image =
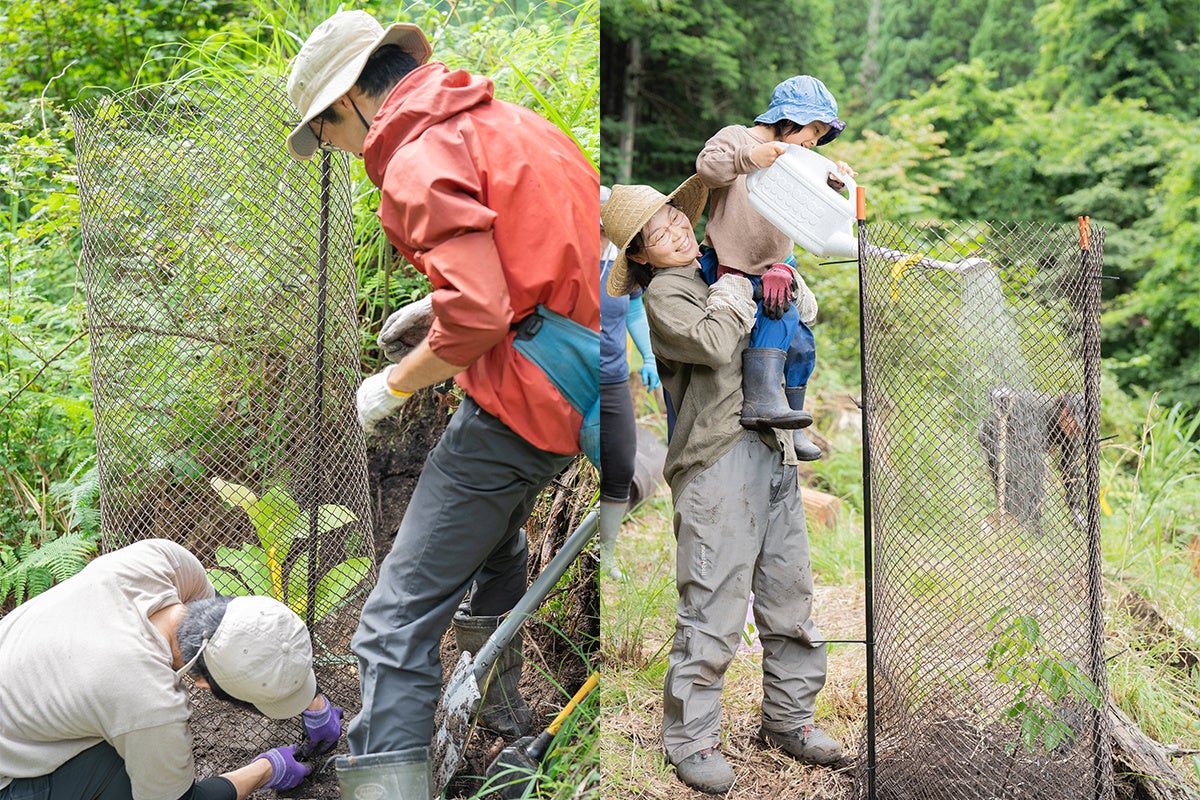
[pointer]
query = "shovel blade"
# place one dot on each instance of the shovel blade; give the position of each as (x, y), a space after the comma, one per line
(456, 720)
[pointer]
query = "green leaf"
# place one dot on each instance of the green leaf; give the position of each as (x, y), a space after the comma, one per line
(278, 520)
(1054, 734)
(297, 587)
(234, 493)
(227, 583)
(339, 582)
(250, 564)
(331, 517)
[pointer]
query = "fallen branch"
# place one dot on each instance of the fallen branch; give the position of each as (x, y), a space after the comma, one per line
(1142, 763)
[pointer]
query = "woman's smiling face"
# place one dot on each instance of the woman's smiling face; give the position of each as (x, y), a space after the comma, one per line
(669, 240)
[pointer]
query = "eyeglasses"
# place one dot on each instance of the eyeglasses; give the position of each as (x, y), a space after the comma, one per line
(320, 132)
(678, 225)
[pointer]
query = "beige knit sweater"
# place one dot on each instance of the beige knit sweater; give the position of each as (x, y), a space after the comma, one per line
(743, 238)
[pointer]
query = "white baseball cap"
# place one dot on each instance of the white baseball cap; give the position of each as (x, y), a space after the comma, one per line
(332, 59)
(261, 653)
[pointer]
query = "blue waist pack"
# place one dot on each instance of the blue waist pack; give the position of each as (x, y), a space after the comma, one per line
(569, 354)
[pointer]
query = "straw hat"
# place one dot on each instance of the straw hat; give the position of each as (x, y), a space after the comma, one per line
(627, 211)
(331, 61)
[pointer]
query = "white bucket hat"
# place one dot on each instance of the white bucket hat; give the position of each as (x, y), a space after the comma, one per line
(331, 60)
(261, 653)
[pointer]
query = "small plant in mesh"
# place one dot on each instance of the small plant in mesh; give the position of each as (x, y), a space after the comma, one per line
(1049, 687)
(263, 569)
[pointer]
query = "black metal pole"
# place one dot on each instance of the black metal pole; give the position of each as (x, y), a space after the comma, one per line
(318, 410)
(868, 562)
(1090, 278)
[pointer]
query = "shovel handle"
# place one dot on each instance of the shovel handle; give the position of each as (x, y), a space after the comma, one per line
(583, 692)
(533, 597)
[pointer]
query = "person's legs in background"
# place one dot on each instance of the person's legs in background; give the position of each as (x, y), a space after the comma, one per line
(618, 456)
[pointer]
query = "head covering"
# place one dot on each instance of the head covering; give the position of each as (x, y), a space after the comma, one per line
(331, 61)
(627, 211)
(804, 99)
(261, 653)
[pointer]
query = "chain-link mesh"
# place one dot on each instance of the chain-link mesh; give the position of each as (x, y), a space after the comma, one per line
(981, 388)
(221, 311)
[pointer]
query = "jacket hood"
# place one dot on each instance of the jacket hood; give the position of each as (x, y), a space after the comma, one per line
(425, 97)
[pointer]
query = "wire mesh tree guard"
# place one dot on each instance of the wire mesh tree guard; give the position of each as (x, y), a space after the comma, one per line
(221, 313)
(981, 410)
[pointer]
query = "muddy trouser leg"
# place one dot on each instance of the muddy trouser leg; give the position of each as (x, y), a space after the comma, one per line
(462, 525)
(720, 519)
(793, 669)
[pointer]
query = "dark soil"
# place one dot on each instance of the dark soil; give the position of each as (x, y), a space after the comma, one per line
(226, 737)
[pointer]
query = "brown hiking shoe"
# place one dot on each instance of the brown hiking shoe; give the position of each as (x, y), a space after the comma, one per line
(808, 743)
(707, 771)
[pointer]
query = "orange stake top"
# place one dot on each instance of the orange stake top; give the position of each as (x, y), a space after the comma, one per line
(860, 199)
(1085, 242)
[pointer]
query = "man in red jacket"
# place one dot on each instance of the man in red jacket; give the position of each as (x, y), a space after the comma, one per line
(497, 207)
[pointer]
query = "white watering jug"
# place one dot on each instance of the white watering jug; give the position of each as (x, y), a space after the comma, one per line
(795, 196)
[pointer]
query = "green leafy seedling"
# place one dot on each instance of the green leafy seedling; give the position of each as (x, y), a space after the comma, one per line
(260, 569)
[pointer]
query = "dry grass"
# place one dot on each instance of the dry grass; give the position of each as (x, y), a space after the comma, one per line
(638, 623)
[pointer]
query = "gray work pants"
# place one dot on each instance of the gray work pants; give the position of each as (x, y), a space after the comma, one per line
(740, 527)
(461, 532)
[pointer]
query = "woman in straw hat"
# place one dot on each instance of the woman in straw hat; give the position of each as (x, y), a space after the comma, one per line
(723, 478)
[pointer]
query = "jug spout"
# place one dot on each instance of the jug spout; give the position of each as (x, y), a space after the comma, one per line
(840, 245)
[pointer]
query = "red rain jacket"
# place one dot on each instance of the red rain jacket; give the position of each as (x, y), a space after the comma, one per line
(499, 209)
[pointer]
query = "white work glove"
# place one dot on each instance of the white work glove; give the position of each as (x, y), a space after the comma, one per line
(734, 294)
(806, 302)
(406, 328)
(376, 401)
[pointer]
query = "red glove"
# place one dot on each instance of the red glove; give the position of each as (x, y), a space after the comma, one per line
(777, 290)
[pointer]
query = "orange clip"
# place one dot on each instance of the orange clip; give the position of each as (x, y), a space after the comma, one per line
(1084, 233)
(860, 202)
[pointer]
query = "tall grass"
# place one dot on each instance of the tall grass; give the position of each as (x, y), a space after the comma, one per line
(542, 55)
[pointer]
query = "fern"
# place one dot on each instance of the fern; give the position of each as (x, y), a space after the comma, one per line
(81, 493)
(31, 568)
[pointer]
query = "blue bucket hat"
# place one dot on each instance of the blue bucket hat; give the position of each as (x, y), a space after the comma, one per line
(804, 99)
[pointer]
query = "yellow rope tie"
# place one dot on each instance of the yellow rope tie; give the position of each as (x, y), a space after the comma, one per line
(898, 270)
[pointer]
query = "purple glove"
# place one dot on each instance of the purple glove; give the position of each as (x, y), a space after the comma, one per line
(777, 290)
(286, 771)
(323, 728)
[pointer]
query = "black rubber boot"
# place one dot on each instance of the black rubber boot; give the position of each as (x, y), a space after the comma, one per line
(502, 708)
(763, 402)
(805, 449)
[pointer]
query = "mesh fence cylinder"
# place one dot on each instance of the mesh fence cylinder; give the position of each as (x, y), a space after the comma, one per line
(981, 377)
(221, 313)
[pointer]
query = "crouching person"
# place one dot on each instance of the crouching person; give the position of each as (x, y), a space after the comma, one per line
(94, 706)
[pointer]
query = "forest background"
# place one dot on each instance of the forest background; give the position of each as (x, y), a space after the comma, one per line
(1008, 110)
(53, 56)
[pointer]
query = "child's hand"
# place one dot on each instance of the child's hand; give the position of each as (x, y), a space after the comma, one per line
(764, 155)
(836, 183)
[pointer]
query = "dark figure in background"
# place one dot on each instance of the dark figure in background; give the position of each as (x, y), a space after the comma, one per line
(1017, 434)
